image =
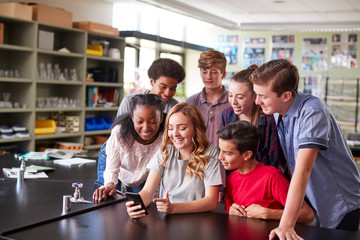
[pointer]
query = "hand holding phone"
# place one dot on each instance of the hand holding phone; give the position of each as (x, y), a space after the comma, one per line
(136, 198)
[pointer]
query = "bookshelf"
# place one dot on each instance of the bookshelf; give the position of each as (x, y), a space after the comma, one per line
(35, 95)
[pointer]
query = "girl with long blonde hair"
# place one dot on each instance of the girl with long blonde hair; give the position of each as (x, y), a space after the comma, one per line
(186, 167)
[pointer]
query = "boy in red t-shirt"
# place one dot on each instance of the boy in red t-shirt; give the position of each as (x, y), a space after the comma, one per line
(254, 190)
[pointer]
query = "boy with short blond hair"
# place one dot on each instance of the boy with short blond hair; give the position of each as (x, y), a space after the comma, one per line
(253, 189)
(213, 99)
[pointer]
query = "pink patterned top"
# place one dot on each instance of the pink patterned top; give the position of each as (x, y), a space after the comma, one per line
(126, 160)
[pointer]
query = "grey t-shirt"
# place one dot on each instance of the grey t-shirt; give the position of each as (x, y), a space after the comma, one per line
(125, 103)
(180, 186)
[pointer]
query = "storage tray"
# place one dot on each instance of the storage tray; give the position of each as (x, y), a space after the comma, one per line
(43, 127)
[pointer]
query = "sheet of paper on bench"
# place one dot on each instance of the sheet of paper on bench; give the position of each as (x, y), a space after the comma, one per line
(74, 161)
(39, 168)
(13, 173)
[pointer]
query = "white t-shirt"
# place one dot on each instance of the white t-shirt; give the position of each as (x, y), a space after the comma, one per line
(180, 186)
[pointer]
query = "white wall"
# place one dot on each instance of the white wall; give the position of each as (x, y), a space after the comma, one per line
(193, 82)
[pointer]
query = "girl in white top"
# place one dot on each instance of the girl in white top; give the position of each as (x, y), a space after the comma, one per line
(186, 167)
(134, 140)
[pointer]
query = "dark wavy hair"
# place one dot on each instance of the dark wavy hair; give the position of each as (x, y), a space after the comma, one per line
(125, 120)
(243, 134)
(168, 68)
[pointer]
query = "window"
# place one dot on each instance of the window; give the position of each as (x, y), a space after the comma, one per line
(131, 75)
(180, 90)
(137, 16)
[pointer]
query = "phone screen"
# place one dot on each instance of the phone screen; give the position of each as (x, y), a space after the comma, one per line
(137, 200)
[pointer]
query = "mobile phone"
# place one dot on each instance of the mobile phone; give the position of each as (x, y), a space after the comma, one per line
(137, 200)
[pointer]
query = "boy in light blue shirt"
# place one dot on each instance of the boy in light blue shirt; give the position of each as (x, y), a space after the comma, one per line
(315, 148)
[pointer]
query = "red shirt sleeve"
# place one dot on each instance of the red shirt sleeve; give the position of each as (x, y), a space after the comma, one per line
(279, 187)
(228, 195)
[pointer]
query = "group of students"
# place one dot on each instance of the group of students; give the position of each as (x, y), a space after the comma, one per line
(262, 131)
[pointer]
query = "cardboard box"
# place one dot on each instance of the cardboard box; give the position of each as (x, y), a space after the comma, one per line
(70, 146)
(51, 15)
(1, 33)
(96, 27)
(16, 10)
(46, 40)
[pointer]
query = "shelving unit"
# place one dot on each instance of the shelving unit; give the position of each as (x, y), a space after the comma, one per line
(20, 52)
(104, 62)
(342, 97)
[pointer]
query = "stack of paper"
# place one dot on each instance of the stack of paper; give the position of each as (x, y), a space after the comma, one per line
(48, 153)
(74, 161)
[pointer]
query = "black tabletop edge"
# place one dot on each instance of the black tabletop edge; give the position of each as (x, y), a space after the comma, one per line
(95, 207)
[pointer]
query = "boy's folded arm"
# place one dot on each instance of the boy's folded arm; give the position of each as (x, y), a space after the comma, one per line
(258, 211)
(236, 209)
(306, 214)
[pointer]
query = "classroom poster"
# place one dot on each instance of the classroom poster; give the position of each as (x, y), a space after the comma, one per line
(283, 47)
(314, 54)
(343, 50)
(254, 52)
(226, 80)
(228, 45)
